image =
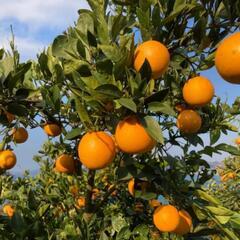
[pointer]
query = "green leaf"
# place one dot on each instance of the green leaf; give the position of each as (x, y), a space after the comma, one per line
(214, 136)
(43, 209)
(109, 90)
(158, 96)
(178, 3)
(128, 103)
(92, 41)
(153, 128)
(205, 196)
(73, 134)
(85, 22)
(223, 219)
(82, 112)
(124, 234)
(162, 107)
(76, 65)
(18, 109)
(59, 47)
(113, 52)
(118, 222)
(228, 148)
(146, 71)
(78, 81)
(142, 230)
(221, 211)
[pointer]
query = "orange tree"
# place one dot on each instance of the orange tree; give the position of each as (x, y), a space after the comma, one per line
(124, 90)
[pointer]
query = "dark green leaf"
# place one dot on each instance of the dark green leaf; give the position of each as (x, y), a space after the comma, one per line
(228, 148)
(162, 107)
(109, 90)
(128, 103)
(158, 96)
(214, 136)
(153, 128)
(74, 134)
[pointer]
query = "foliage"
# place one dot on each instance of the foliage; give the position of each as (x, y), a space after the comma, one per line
(72, 82)
(228, 189)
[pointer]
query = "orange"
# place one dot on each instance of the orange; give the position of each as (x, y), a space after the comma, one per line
(166, 218)
(52, 129)
(7, 159)
(81, 202)
(9, 210)
(227, 58)
(95, 193)
(237, 141)
(65, 164)
(156, 54)
(131, 136)
(131, 184)
(74, 190)
(20, 135)
(198, 91)
(185, 223)
(154, 203)
(227, 176)
(10, 117)
(96, 150)
(189, 121)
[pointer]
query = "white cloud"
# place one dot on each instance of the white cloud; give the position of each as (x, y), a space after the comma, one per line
(51, 12)
(31, 17)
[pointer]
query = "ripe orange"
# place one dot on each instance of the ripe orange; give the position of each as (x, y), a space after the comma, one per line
(227, 58)
(198, 91)
(237, 141)
(9, 210)
(154, 203)
(20, 135)
(65, 164)
(10, 117)
(185, 223)
(81, 202)
(227, 176)
(166, 218)
(7, 159)
(52, 129)
(96, 150)
(131, 184)
(156, 54)
(189, 121)
(131, 136)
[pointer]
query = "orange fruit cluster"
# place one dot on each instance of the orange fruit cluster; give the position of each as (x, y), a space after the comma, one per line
(197, 92)
(168, 219)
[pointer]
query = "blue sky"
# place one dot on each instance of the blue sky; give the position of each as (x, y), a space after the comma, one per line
(35, 24)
